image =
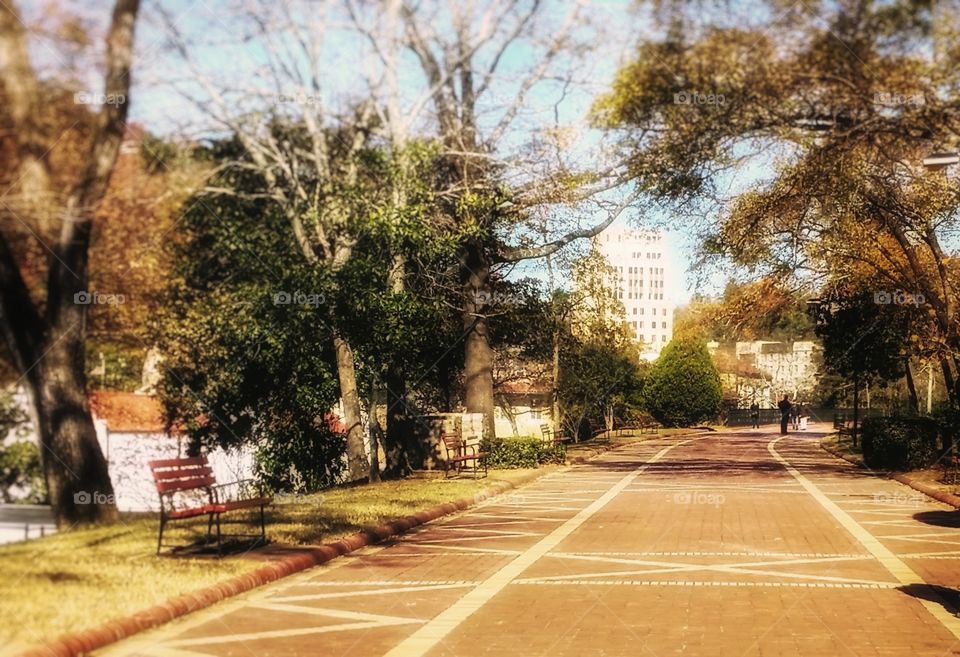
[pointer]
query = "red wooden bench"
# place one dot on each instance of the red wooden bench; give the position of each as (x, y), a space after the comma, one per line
(459, 453)
(188, 489)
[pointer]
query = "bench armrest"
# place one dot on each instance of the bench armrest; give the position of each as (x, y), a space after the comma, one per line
(236, 490)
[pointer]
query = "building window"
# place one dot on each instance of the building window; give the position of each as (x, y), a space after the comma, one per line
(641, 325)
(536, 413)
(663, 325)
(663, 338)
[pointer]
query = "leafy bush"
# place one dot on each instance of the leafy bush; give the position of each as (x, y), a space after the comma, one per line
(303, 462)
(683, 385)
(523, 452)
(897, 443)
(21, 477)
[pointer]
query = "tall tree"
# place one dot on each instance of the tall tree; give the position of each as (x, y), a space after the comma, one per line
(46, 339)
(800, 139)
(460, 54)
(461, 67)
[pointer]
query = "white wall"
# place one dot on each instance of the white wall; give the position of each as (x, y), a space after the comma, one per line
(127, 455)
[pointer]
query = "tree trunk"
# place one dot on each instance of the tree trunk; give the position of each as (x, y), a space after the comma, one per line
(78, 482)
(49, 351)
(373, 430)
(478, 354)
(948, 381)
(856, 410)
(357, 463)
(507, 410)
(555, 384)
(399, 446)
(911, 388)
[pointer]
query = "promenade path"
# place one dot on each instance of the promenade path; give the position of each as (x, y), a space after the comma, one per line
(712, 544)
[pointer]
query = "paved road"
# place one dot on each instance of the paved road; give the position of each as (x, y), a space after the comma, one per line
(707, 544)
(20, 522)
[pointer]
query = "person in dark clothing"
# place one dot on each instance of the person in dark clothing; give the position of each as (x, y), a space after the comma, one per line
(755, 414)
(785, 406)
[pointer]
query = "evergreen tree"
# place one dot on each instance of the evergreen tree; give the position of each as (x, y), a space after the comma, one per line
(683, 386)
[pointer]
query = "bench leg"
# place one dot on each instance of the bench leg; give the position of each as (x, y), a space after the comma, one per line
(160, 537)
(263, 526)
(209, 527)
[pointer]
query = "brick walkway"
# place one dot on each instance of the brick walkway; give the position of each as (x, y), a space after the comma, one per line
(707, 544)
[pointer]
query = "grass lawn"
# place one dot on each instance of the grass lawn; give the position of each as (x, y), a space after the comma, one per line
(928, 476)
(79, 579)
(843, 445)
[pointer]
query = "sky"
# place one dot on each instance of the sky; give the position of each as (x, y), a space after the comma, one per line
(239, 68)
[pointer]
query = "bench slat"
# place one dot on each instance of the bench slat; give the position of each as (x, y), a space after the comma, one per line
(172, 463)
(182, 473)
(185, 484)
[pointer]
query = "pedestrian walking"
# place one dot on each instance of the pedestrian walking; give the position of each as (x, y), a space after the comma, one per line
(785, 407)
(755, 414)
(795, 416)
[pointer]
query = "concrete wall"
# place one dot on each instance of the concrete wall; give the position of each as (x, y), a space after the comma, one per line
(127, 455)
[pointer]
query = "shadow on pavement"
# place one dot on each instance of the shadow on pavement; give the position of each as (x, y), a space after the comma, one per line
(948, 598)
(939, 518)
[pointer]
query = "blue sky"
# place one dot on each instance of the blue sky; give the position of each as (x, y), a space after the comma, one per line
(217, 49)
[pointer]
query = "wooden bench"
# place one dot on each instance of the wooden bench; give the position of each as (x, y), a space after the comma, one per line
(460, 453)
(650, 427)
(188, 489)
(950, 470)
(555, 437)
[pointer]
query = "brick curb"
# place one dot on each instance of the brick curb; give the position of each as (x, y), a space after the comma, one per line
(85, 641)
(939, 495)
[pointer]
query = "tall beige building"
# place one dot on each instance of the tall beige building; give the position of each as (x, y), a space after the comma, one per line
(644, 280)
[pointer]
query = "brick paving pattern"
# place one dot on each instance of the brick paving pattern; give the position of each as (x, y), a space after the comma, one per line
(705, 544)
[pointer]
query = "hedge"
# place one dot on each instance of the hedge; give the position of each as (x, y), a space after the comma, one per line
(897, 443)
(523, 452)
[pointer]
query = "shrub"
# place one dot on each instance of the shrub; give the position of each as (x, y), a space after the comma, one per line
(897, 443)
(21, 477)
(683, 385)
(523, 452)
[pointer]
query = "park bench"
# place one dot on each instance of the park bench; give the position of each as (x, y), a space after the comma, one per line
(555, 437)
(649, 427)
(950, 465)
(188, 489)
(641, 425)
(843, 424)
(460, 453)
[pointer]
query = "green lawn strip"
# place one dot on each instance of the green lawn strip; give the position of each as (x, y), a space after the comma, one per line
(929, 477)
(842, 445)
(78, 579)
